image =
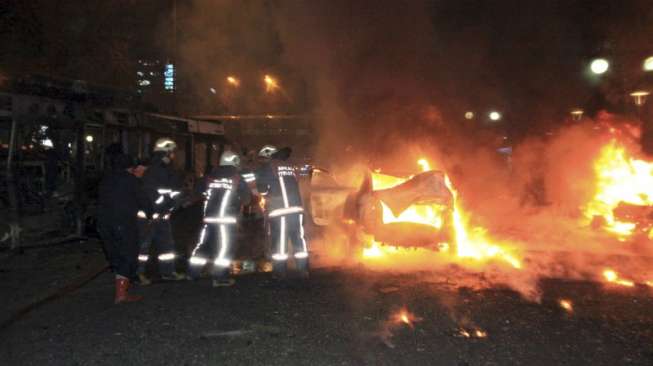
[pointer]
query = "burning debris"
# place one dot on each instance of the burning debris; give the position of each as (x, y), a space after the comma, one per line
(469, 242)
(623, 184)
(472, 333)
(405, 317)
(613, 277)
(598, 215)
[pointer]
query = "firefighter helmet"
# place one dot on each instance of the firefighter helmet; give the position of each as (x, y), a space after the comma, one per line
(229, 158)
(165, 144)
(267, 151)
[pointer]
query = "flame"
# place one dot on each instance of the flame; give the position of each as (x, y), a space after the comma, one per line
(476, 333)
(474, 243)
(374, 249)
(430, 215)
(403, 316)
(424, 164)
(567, 305)
(470, 243)
(261, 203)
(620, 178)
(613, 277)
(384, 181)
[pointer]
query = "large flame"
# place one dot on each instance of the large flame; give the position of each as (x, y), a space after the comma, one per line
(619, 179)
(475, 243)
(470, 243)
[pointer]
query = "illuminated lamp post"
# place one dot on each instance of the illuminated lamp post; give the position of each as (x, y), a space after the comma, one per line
(577, 114)
(599, 66)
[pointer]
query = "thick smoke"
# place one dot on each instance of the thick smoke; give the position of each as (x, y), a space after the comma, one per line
(376, 89)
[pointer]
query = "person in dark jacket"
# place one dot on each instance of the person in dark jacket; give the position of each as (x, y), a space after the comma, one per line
(121, 196)
(162, 187)
(277, 182)
(226, 192)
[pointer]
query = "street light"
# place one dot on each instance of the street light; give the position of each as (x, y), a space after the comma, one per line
(271, 83)
(599, 66)
(648, 64)
(495, 116)
(639, 97)
(233, 81)
(89, 138)
(469, 115)
(576, 114)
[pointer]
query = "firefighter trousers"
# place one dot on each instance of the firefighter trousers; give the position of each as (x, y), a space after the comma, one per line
(158, 233)
(287, 229)
(216, 245)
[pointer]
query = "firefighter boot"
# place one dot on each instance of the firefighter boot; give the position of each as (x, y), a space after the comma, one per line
(279, 269)
(302, 267)
(122, 288)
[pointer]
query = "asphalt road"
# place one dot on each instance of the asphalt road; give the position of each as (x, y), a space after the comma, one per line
(341, 316)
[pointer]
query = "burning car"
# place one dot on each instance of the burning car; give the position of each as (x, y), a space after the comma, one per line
(413, 211)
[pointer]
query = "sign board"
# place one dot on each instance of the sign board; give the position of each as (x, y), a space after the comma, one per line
(211, 128)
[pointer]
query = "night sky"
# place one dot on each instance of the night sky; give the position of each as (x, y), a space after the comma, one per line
(365, 58)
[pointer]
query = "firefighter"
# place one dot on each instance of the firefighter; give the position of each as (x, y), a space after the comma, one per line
(277, 182)
(226, 192)
(163, 188)
(121, 196)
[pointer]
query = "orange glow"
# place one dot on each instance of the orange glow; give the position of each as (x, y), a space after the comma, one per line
(384, 181)
(620, 179)
(613, 277)
(431, 215)
(271, 83)
(233, 81)
(375, 249)
(471, 243)
(476, 333)
(567, 305)
(261, 203)
(404, 316)
(475, 243)
(424, 164)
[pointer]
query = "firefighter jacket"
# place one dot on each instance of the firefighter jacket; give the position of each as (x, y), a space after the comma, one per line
(162, 186)
(277, 181)
(225, 191)
(121, 196)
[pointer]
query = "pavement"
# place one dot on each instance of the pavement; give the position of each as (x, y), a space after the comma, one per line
(340, 316)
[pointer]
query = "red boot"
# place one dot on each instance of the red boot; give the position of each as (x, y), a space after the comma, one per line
(122, 295)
